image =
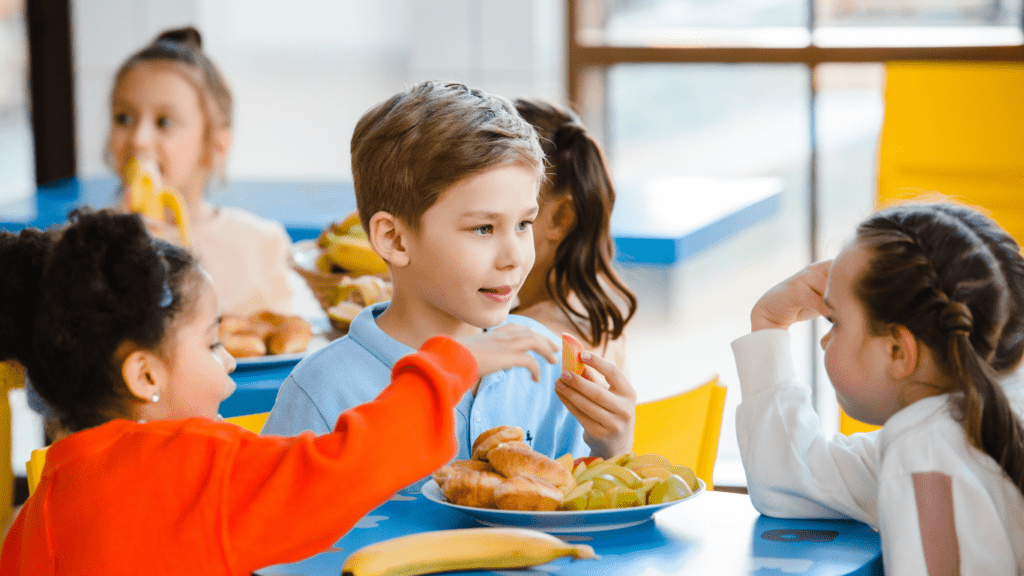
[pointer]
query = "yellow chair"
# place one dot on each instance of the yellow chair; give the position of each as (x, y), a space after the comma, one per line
(956, 129)
(11, 376)
(683, 428)
(34, 468)
(251, 422)
(849, 425)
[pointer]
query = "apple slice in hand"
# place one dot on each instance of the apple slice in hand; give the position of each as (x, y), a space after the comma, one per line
(571, 350)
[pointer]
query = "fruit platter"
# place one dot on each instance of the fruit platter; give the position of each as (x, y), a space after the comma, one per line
(507, 483)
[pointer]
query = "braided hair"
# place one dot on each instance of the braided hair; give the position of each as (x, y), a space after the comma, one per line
(955, 279)
(74, 295)
(583, 260)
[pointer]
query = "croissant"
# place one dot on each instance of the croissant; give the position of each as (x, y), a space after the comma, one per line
(467, 487)
(518, 459)
(491, 438)
(291, 335)
(527, 493)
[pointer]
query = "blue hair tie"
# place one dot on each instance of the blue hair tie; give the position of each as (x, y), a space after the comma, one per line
(167, 297)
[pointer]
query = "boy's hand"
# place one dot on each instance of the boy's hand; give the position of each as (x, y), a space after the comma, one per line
(604, 402)
(795, 299)
(507, 347)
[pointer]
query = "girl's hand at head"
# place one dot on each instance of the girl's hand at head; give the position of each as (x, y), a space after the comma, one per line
(604, 402)
(509, 346)
(795, 299)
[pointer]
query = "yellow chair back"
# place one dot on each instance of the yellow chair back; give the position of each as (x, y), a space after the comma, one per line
(34, 468)
(849, 425)
(956, 129)
(683, 428)
(251, 422)
(11, 376)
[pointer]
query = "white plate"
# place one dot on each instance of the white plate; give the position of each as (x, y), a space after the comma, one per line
(317, 342)
(559, 521)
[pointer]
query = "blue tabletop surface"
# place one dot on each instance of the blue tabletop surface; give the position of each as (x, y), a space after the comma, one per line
(718, 533)
(649, 228)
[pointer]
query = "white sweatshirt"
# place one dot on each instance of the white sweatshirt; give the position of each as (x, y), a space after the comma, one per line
(934, 498)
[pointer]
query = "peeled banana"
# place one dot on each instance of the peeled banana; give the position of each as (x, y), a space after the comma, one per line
(353, 254)
(146, 196)
(461, 549)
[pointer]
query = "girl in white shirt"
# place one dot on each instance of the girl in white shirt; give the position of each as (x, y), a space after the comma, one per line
(927, 313)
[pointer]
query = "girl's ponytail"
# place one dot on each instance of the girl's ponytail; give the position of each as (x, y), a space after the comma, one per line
(584, 261)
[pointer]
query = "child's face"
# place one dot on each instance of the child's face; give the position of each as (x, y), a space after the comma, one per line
(157, 116)
(473, 250)
(855, 359)
(198, 365)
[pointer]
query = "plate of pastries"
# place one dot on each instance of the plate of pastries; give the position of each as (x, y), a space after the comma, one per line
(266, 337)
(507, 483)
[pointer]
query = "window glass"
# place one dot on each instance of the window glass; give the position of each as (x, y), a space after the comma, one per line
(705, 22)
(17, 167)
(686, 141)
(848, 118)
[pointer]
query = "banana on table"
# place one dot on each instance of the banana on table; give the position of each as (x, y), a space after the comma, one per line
(145, 196)
(461, 549)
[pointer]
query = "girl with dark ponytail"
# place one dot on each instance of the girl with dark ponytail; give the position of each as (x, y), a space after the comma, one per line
(118, 333)
(573, 286)
(927, 313)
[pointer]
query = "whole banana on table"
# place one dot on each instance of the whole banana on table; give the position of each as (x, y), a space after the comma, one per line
(461, 549)
(146, 196)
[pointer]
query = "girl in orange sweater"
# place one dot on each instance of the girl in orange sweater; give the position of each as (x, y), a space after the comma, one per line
(118, 332)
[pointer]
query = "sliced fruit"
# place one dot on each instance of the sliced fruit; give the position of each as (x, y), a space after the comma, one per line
(648, 459)
(687, 474)
(566, 461)
(652, 471)
(598, 500)
(668, 490)
(571, 350)
(623, 459)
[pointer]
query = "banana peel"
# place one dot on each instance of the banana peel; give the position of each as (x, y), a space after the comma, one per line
(350, 225)
(146, 196)
(354, 255)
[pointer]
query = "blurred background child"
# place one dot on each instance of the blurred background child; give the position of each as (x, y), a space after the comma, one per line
(171, 107)
(573, 286)
(927, 313)
(118, 332)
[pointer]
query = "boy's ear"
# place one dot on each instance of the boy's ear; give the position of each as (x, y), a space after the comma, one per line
(561, 217)
(387, 234)
(904, 352)
(144, 374)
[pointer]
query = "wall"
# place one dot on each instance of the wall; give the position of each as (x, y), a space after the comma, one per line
(302, 72)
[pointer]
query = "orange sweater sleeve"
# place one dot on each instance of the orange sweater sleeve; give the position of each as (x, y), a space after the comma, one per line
(288, 498)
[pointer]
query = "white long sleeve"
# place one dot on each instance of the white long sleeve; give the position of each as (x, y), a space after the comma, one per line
(886, 478)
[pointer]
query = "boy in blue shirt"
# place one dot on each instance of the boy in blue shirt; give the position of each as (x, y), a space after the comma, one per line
(447, 180)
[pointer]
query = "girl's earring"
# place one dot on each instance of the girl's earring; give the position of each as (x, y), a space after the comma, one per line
(156, 396)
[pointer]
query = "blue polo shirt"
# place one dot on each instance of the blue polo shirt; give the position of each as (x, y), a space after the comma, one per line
(354, 369)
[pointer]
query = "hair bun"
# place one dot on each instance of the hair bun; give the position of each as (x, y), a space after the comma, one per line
(186, 35)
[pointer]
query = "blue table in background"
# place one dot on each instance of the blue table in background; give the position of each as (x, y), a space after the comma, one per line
(718, 533)
(658, 225)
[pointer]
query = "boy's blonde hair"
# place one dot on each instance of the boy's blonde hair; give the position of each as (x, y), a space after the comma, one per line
(409, 149)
